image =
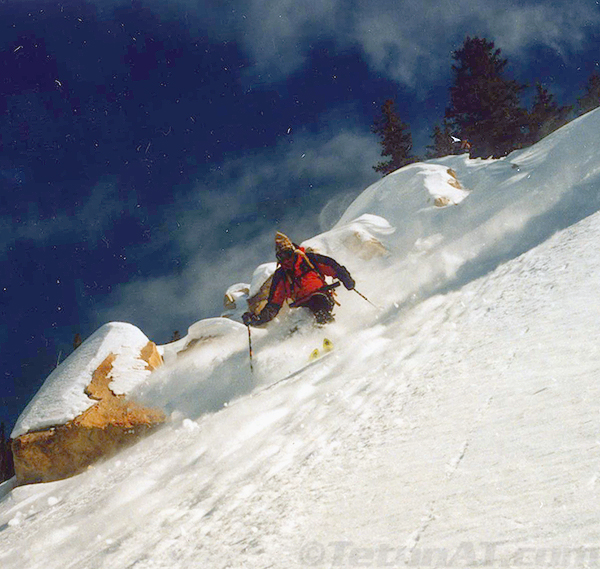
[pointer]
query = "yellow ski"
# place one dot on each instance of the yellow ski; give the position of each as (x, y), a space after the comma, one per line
(316, 353)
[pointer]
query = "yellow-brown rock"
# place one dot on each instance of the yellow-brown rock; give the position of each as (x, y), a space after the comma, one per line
(258, 301)
(108, 426)
(364, 246)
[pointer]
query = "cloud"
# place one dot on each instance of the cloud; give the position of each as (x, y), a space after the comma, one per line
(564, 28)
(89, 222)
(410, 42)
(278, 35)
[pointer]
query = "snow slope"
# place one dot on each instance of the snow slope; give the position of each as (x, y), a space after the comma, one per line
(457, 426)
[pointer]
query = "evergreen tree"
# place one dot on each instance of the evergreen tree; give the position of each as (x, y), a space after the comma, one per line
(396, 139)
(591, 98)
(485, 105)
(443, 144)
(545, 116)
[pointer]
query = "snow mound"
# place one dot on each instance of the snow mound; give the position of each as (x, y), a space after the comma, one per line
(364, 237)
(403, 193)
(207, 329)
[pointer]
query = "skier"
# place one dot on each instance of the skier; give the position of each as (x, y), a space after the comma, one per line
(465, 145)
(300, 277)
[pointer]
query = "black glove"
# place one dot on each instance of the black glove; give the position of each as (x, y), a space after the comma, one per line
(249, 319)
(349, 282)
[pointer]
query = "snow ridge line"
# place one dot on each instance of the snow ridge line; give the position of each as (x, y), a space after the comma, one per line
(451, 468)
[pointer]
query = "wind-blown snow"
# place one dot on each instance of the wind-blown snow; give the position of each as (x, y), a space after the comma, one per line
(457, 426)
(62, 396)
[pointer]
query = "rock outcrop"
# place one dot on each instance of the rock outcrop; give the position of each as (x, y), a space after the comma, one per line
(107, 426)
(364, 245)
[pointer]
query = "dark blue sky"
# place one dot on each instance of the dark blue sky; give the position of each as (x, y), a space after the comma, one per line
(149, 150)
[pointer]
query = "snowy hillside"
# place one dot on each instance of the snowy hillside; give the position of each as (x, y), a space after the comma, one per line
(457, 425)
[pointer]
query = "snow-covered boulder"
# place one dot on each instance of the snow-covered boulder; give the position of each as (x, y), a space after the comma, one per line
(363, 237)
(401, 195)
(235, 301)
(233, 295)
(82, 412)
(199, 334)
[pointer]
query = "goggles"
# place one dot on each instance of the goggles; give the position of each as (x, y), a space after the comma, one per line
(284, 255)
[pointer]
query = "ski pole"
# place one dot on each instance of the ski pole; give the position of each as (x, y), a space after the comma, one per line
(363, 296)
(250, 347)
